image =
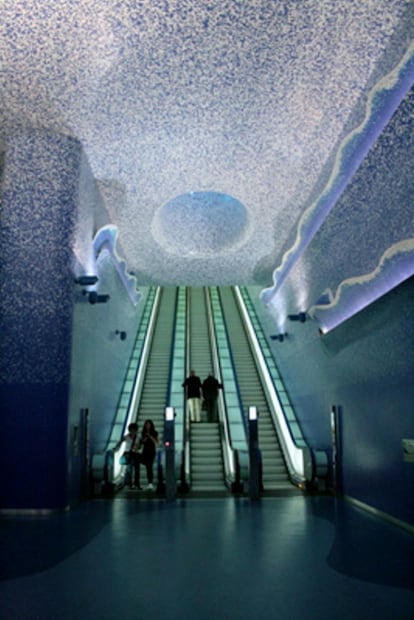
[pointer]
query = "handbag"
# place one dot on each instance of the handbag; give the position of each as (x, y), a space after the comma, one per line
(125, 459)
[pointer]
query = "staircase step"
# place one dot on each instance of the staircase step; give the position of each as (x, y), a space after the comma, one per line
(213, 469)
(206, 459)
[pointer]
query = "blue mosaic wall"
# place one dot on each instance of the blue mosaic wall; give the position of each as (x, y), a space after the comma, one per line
(39, 205)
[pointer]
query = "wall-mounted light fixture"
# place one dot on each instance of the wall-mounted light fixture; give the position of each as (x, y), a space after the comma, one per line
(94, 298)
(279, 337)
(301, 316)
(86, 280)
(122, 335)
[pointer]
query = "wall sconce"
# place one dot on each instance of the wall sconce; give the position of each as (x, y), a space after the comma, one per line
(301, 316)
(122, 335)
(94, 298)
(86, 280)
(279, 337)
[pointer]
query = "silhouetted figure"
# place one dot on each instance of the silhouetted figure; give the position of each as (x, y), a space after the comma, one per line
(148, 446)
(211, 387)
(193, 387)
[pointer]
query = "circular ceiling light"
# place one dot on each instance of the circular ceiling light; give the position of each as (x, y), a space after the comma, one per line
(200, 224)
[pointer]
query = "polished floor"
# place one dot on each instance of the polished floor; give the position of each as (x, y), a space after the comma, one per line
(282, 557)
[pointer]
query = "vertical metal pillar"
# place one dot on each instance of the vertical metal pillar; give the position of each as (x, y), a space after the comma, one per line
(169, 446)
(254, 470)
(336, 448)
(85, 454)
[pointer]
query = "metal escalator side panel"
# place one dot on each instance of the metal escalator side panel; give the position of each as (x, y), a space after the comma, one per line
(297, 454)
(252, 393)
(111, 471)
(234, 429)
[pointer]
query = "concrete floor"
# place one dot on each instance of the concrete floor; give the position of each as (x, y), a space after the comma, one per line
(288, 558)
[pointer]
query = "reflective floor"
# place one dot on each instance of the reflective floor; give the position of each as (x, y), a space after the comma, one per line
(283, 558)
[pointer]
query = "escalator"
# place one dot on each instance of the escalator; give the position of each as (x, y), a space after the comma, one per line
(156, 383)
(148, 394)
(274, 471)
(185, 335)
(207, 475)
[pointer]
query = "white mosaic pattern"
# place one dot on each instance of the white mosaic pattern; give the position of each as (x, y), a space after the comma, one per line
(365, 246)
(35, 273)
(249, 99)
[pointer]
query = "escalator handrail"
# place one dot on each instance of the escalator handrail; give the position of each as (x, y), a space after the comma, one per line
(242, 442)
(186, 469)
(175, 397)
(113, 468)
(242, 410)
(172, 351)
(143, 325)
(229, 456)
(299, 457)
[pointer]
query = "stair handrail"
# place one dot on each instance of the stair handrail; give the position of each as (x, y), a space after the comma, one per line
(229, 458)
(237, 444)
(304, 464)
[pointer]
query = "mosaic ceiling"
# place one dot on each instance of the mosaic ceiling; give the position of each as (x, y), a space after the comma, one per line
(221, 135)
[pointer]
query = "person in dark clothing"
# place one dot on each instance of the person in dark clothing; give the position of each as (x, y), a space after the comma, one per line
(211, 387)
(193, 387)
(148, 447)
